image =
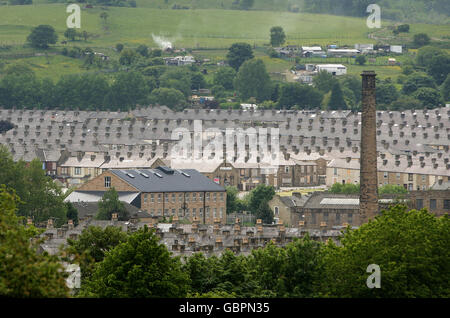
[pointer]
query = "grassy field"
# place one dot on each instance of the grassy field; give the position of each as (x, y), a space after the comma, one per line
(209, 32)
(187, 28)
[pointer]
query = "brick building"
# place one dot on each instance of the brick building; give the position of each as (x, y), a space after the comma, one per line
(163, 192)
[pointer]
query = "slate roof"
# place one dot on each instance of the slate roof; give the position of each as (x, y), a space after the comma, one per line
(176, 182)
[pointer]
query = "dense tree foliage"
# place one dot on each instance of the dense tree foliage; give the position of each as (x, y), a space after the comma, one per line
(347, 188)
(92, 245)
(410, 247)
(41, 198)
(110, 204)
(277, 36)
(252, 80)
(299, 96)
(139, 267)
(24, 272)
(41, 36)
(238, 54)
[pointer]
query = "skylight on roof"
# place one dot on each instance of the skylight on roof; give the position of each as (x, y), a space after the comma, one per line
(144, 175)
(130, 175)
(185, 174)
(157, 174)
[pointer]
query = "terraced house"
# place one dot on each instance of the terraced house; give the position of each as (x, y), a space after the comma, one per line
(162, 192)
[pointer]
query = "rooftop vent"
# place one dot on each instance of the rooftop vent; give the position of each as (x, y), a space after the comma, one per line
(157, 174)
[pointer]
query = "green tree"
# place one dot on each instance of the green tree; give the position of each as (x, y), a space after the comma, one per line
(197, 80)
(439, 67)
(421, 39)
(406, 102)
(360, 59)
(430, 97)
(224, 77)
(324, 81)
(299, 96)
(143, 50)
(24, 272)
(140, 267)
(337, 98)
(72, 213)
(70, 34)
(252, 80)
(259, 195)
(446, 88)
(110, 204)
(119, 47)
(41, 36)
(91, 247)
(128, 90)
(127, 57)
(178, 78)
(410, 265)
(386, 93)
(170, 97)
(416, 81)
(277, 36)
(392, 189)
(238, 54)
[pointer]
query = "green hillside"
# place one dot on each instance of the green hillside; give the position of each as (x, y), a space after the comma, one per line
(192, 28)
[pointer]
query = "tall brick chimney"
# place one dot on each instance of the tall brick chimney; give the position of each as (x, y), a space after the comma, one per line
(368, 197)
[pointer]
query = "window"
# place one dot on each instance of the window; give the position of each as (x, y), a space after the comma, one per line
(215, 212)
(410, 177)
(207, 197)
(286, 169)
(166, 212)
(335, 171)
(338, 218)
(187, 211)
(186, 197)
(107, 182)
(385, 174)
(423, 178)
(325, 216)
(207, 212)
(152, 198)
(152, 212)
(145, 198)
(180, 197)
(432, 204)
(398, 176)
(221, 212)
(166, 197)
(419, 204)
(214, 197)
(200, 197)
(180, 212)
(159, 212)
(221, 197)
(173, 211)
(194, 197)
(313, 218)
(173, 198)
(77, 171)
(200, 212)
(194, 212)
(447, 204)
(159, 197)
(350, 218)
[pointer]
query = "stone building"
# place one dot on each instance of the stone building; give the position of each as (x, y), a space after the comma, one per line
(162, 192)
